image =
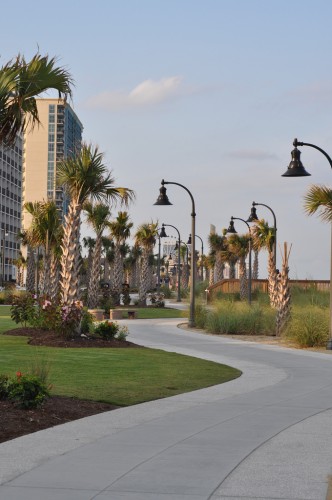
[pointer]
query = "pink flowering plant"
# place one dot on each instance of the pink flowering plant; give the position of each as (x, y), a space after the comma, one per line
(48, 314)
(71, 316)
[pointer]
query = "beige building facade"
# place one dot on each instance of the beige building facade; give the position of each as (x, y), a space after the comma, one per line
(58, 136)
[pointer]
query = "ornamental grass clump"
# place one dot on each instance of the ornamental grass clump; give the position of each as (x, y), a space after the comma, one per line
(308, 327)
(236, 318)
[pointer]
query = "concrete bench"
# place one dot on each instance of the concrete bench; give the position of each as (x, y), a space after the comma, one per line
(119, 313)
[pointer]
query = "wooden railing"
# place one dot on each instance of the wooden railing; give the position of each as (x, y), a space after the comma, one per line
(233, 286)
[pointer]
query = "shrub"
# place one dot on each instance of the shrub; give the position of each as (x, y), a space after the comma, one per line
(309, 327)
(4, 386)
(23, 309)
(166, 291)
(157, 299)
(107, 329)
(122, 333)
(27, 391)
(86, 321)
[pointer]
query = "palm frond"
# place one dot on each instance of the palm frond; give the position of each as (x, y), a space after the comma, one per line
(319, 199)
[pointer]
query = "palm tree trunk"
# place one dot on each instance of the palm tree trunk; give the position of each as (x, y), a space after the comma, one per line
(70, 259)
(232, 272)
(219, 268)
(144, 281)
(117, 275)
(284, 295)
(243, 279)
(93, 287)
(46, 288)
(31, 266)
(272, 281)
(54, 277)
(255, 266)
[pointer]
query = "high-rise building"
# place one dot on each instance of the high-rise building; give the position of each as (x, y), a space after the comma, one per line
(58, 135)
(10, 207)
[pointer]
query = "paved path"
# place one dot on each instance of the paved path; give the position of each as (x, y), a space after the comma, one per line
(265, 435)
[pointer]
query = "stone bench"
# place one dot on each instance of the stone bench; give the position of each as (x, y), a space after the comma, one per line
(119, 313)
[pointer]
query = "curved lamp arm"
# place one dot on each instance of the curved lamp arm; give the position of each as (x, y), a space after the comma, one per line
(297, 143)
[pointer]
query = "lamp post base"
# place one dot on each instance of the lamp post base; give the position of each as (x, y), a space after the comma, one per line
(329, 345)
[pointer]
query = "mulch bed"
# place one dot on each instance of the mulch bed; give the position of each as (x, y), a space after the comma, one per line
(16, 422)
(53, 339)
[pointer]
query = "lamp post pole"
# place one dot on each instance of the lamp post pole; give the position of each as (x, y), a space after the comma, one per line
(231, 229)
(179, 260)
(162, 234)
(202, 252)
(163, 200)
(296, 169)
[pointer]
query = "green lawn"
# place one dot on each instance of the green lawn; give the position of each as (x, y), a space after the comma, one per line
(119, 376)
(158, 312)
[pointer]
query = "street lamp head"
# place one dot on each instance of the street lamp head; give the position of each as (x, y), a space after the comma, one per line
(296, 168)
(189, 240)
(231, 229)
(162, 233)
(253, 214)
(163, 198)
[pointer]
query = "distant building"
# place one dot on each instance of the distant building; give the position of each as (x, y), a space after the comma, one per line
(58, 136)
(10, 207)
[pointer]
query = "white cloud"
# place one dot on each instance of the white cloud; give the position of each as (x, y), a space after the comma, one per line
(146, 93)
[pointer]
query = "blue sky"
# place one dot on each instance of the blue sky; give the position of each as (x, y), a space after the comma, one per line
(209, 94)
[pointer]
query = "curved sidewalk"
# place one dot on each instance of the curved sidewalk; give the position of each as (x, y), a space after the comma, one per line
(265, 435)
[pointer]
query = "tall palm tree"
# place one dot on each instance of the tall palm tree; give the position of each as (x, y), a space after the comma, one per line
(263, 237)
(239, 245)
(21, 82)
(120, 231)
(98, 217)
(46, 231)
(145, 238)
(84, 177)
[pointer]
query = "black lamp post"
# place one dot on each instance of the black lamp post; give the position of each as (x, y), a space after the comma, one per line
(296, 169)
(253, 217)
(162, 234)
(231, 229)
(163, 200)
(179, 260)
(202, 252)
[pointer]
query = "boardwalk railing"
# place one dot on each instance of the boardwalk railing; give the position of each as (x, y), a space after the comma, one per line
(233, 286)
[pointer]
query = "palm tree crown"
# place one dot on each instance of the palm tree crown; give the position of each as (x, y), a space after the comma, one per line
(20, 83)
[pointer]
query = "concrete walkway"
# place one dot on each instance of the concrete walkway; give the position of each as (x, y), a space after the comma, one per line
(265, 435)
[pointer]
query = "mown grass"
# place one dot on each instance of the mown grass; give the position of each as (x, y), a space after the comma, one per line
(119, 376)
(158, 312)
